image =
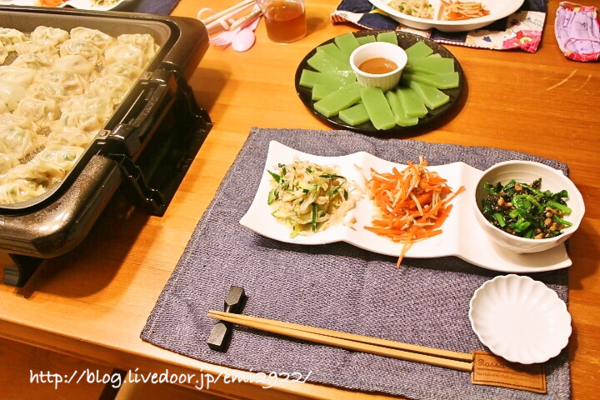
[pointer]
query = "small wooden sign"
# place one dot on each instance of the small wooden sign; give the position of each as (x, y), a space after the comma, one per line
(492, 370)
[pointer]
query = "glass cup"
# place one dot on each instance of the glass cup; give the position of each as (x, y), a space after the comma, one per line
(285, 19)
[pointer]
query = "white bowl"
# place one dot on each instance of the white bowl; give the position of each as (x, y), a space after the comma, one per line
(387, 50)
(520, 319)
(526, 172)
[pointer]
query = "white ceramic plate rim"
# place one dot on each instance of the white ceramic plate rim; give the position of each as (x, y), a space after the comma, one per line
(462, 235)
(527, 286)
(498, 10)
(79, 4)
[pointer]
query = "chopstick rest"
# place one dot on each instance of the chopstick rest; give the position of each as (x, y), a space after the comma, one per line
(220, 335)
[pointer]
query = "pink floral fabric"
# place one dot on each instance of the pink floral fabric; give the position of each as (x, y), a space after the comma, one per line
(578, 31)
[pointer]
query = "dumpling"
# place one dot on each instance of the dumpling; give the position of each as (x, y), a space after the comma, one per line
(37, 47)
(101, 105)
(18, 75)
(48, 90)
(33, 61)
(9, 37)
(85, 49)
(41, 174)
(98, 38)
(62, 156)
(113, 86)
(71, 136)
(141, 40)
(3, 53)
(11, 119)
(88, 121)
(11, 94)
(71, 83)
(47, 167)
(19, 190)
(16, 141)
(73, 63)
(40, 112)
(7, 162)
(53, 35)
(123, 69)
(125, 53)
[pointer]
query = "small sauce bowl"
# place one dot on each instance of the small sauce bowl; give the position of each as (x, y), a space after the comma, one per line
(368, 51)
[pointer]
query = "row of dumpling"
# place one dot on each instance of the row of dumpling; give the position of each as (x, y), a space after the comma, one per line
(53, 64)
(29, 180)
(18, 141)
(55, 96)
(94, 45)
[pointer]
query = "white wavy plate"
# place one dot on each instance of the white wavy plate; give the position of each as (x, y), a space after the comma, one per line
(79, 4)
(498, 9)
(520, 319)
(462, 236)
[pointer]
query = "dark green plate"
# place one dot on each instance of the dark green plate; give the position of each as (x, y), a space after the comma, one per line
(405, 40)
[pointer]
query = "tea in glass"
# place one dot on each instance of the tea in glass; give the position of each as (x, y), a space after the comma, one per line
(285, 19)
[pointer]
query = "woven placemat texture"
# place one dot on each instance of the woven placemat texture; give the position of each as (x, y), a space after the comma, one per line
(335, 286)
(162, 7)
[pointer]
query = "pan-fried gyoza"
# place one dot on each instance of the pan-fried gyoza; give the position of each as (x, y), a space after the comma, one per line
(57, 90)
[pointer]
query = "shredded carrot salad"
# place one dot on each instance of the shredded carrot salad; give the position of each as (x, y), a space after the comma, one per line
(459, 10)
(413, 204)
(51, 3)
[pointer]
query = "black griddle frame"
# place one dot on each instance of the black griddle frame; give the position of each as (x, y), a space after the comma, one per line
(154, 169)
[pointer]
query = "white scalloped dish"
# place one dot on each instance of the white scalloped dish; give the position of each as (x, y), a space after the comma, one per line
(520, 319)
(462, 236)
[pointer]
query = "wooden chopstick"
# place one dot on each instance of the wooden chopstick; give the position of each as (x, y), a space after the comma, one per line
(244, 19)
(218, 15)
(358, 338)
(383, 347)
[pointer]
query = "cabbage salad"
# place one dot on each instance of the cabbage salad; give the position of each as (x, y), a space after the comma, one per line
(309, 197)
(414, 8)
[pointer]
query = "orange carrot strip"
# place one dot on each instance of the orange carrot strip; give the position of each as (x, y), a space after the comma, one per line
(404, 250)
(404, 199)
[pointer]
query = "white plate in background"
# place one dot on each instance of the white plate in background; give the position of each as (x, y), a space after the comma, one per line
(498, 9)
(79, 4)
(462, 235)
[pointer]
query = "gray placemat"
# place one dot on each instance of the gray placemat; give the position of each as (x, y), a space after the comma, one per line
(162, 7)
(335, 286)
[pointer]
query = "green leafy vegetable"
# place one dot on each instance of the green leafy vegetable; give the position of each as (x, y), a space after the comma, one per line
(525, 210)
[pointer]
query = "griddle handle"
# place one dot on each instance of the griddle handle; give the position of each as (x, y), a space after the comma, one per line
(130, 137)
(154, 161)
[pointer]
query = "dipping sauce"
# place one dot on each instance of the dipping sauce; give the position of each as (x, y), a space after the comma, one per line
(378, 65)
(285, 20)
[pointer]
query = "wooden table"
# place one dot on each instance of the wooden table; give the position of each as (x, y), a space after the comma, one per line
(94, 302)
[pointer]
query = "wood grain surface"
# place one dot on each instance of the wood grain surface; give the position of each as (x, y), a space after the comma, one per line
(93, 302)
